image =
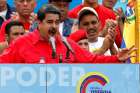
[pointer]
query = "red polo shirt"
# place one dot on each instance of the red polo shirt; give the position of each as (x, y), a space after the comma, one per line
(31, 49)
(103, 13)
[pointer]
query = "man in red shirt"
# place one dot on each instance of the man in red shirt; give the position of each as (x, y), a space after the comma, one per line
(45, 45)
(119, 12)
(14, 30)
(103, 12)
(24, 8)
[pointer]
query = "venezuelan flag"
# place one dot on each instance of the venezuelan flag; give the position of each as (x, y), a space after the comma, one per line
(138, 29)
(129, 27)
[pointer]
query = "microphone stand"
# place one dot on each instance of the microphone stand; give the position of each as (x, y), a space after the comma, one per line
(52, 41)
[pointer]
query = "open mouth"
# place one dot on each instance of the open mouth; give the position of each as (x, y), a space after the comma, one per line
(92, 31)
(111, 3)
(91, 34)
(52, 31)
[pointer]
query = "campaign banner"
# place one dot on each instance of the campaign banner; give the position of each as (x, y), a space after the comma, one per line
(93, 78)
(70, 78)
(23, 78)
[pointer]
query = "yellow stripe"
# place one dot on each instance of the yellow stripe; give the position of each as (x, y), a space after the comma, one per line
(138, 29)
(130, 32)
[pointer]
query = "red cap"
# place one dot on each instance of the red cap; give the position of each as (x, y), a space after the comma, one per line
(78, 35)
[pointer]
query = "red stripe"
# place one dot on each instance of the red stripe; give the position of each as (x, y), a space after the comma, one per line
(91, 81)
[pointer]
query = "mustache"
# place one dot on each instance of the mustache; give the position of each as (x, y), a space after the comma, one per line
(52, 31)
(62, 11)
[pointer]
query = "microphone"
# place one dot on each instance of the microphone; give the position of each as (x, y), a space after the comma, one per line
(52, 41)
(67, 44)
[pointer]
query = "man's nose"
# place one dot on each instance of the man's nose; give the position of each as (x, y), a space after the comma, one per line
(25, 3)
(91, 26)
(54, 25)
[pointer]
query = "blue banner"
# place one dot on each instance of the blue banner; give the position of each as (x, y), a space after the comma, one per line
(23, 78)
(70, 78)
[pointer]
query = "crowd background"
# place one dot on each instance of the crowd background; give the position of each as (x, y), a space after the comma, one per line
(120, 3)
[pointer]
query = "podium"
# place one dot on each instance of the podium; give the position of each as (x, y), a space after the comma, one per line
(70, 78)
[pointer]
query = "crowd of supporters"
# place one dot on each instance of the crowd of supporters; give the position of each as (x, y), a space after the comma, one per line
(89, 33)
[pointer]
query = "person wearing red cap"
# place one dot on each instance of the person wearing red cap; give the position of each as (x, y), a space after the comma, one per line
(45, 44)
(103, 13)
(80, 37)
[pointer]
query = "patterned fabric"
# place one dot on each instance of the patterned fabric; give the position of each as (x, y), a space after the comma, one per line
(68, 23)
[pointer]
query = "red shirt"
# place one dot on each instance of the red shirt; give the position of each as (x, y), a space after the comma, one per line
(31, 48)
(2, 29)
(103, 13)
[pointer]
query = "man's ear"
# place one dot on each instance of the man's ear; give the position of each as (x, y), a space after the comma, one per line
(39, 24)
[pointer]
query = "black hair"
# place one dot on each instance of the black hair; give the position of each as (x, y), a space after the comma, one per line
(1, 20)
(59, 1)
(49, 8)
(11, 24)
(85, 13)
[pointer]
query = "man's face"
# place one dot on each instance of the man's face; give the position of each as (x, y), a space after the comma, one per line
(15, 32)
(49, 26)
(2, 5)
(91, 24)
(91, 1)
(64, 7)
(25, 7)
(109, 3)
(84, 44)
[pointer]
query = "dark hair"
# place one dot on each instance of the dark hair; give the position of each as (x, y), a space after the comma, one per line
(11, 24)
(59, 1)
(1, 21)
(49, 8)
(84, 13)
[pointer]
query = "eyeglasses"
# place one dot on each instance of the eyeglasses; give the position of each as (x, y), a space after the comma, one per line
(17, 33)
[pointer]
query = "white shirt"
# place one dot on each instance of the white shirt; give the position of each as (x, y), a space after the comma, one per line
(3, 14)
(96, 45)
(61, 28)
